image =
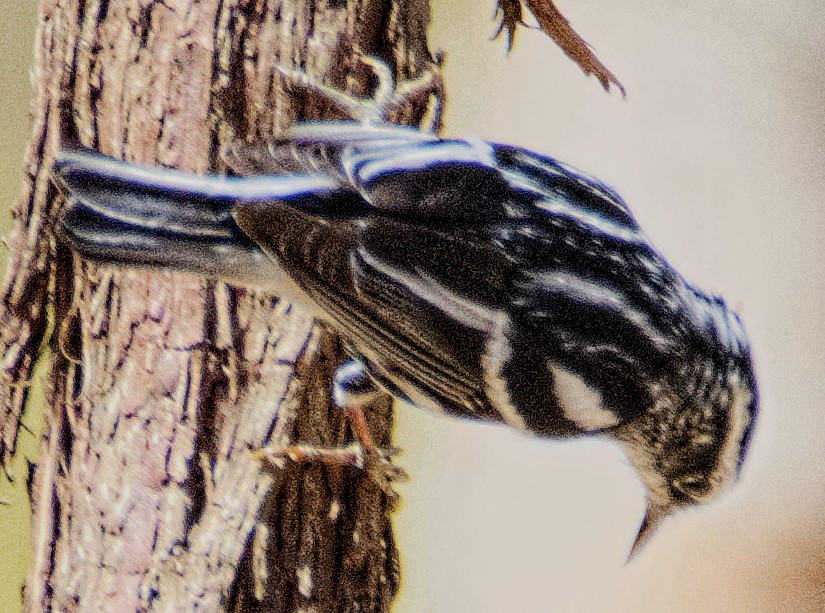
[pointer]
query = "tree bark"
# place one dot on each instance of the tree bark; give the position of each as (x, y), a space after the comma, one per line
(145, 496)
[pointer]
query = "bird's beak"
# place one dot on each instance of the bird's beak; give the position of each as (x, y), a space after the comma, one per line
(653, 518)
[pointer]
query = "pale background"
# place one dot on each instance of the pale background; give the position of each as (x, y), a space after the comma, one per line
(718, 148)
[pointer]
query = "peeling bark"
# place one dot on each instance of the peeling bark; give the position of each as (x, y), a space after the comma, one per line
(146, 496)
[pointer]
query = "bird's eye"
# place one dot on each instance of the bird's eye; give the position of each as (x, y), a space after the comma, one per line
(695, 487)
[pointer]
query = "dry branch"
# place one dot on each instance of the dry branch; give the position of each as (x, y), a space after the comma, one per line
(554, 24)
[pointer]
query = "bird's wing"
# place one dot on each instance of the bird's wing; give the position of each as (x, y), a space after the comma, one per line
(415, 277)
(457, 273)
(376, 276)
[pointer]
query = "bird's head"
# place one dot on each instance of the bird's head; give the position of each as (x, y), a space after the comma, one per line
(689, 446)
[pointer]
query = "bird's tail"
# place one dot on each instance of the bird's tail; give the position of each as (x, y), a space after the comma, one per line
(138, 216)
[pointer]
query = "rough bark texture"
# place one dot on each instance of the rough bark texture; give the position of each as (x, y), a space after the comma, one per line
(146, 496)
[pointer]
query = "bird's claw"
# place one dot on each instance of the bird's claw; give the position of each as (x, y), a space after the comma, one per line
(376, 463)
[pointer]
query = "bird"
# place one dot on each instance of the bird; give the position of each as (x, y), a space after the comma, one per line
(470, 278)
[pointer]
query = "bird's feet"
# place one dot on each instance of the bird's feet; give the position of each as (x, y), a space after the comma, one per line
(387, 96)
(352, 389)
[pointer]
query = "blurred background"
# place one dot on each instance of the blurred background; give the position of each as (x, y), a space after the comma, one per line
(718, 149)
(17, 26)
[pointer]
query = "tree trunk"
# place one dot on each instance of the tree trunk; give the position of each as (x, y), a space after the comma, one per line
(145, 496)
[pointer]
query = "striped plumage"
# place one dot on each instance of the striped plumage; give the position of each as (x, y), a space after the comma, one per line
(477, 279)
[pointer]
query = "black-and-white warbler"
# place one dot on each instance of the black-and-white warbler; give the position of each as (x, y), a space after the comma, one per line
(476, 279)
